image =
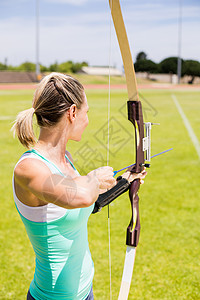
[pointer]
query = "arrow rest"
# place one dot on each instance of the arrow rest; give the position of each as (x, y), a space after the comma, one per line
(145, 165)
(146, 142)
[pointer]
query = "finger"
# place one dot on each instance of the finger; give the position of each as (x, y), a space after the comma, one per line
(109, 168)
(109, 185)
(143, 174)
(109, 180)
(144, 171)
(113, 181)
(105, 168)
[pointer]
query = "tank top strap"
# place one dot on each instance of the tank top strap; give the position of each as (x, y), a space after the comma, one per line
(50, 163)
(70, 162)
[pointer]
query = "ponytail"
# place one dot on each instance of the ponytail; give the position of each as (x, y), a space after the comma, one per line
(23, 128)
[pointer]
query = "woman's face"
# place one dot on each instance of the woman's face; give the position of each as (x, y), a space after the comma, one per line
(81, 121)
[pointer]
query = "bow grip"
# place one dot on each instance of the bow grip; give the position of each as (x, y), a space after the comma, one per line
(133, 230)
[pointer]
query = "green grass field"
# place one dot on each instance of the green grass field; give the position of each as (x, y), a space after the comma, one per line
(167, 264)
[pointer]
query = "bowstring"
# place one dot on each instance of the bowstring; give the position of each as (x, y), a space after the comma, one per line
(108, 149)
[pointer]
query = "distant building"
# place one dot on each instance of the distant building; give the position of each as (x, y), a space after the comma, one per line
(101, 71)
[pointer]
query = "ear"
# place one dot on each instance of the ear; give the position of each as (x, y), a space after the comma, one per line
(72, 112)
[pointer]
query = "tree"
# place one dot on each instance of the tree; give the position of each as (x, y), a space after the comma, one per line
(169, 65)
(65, 67)
(27, 66)
(143, 64)
(43, 68)
(141, 56)
(77, 66)
(53, 67)
(2, 67)
(191, 67)
(146, 66)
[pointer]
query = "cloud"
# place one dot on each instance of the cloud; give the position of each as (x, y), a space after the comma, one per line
(17, 40)
(71, 2)
(155, 13)
(83, 34)
(153, 28)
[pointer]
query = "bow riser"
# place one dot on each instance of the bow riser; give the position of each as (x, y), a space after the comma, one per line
(135, 116)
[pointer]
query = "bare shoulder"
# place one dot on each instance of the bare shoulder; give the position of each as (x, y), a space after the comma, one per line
(28, 168)
(69, 156)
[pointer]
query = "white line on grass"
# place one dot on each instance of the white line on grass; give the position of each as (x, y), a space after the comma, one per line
(191, 133)
(3, 118)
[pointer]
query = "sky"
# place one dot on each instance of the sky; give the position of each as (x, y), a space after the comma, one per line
(80, 30)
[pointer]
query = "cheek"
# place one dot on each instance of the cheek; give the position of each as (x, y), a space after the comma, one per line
(87, 121)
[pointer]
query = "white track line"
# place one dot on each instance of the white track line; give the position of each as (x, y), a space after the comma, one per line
(4, 118)
(191, 133)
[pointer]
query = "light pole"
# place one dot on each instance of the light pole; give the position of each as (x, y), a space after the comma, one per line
(37, 41)
(179, 64)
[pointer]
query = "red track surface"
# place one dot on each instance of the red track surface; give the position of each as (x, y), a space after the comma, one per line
(17, 86)
(167, 86)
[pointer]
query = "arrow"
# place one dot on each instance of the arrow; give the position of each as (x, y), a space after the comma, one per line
(115, 172)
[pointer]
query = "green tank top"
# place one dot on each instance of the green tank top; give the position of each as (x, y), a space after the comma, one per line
(63, 266)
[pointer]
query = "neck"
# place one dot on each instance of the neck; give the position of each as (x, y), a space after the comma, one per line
(52, 143)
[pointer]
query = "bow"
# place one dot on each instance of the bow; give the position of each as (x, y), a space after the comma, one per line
(135, 115)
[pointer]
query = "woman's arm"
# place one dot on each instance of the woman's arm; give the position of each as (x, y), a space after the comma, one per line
(82, 191)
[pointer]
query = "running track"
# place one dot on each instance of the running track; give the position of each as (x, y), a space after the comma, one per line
(166, 86)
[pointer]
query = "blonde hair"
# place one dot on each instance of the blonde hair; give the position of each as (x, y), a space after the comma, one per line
(53, 97)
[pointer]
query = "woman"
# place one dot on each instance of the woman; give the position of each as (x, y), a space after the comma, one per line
(53, 200)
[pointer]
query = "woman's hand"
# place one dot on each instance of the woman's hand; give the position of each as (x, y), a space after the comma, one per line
(104, 175)
(132, 176)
